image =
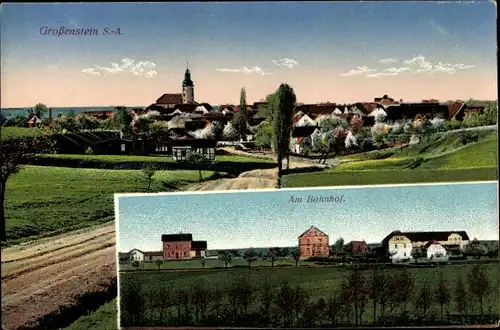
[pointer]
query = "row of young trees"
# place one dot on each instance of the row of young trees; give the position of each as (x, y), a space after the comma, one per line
(364, 297)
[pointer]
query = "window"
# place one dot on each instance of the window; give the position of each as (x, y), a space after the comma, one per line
(404, 246)
(123, 147)
(396, 246)
(405, 254)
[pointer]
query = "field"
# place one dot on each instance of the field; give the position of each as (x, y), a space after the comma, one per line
(8, 133)
(444, 158)
(50, 200)
(104, 319)
(267, 284)
(150, 159)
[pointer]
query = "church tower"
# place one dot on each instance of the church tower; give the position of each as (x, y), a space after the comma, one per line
(187, 88)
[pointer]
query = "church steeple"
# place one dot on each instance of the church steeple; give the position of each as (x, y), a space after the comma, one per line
(187, 77)
(187, 87)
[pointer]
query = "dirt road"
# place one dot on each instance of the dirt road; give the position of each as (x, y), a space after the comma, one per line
(49, 276)
(255, 179)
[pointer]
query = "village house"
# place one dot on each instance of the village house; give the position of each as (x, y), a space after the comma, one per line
(458, 110)
(411, 110)
(136, 255)
(313, 243)
(181, 247)
(400, 245)
(301, 138)
(182, 148)
(356, 247)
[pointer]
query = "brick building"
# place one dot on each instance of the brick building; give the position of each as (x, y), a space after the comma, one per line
(313, 243)
(182, 246)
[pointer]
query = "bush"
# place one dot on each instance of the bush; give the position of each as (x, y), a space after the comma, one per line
(467, 137)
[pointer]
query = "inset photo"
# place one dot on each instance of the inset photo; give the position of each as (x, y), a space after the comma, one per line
(317, 257)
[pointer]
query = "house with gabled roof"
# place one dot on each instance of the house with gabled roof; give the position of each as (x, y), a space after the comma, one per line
(136, 255)
(400, 245)
(314, 243)
(181, 246)
(304, 120)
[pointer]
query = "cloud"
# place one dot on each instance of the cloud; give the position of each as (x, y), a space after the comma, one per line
(288, 62)
(246, 70)
(141, 68)
(360, 70)
(413, 65)
(91, 71)
(387, 61)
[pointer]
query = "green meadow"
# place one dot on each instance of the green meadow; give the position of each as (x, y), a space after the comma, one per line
(449, 157)
(42, 201)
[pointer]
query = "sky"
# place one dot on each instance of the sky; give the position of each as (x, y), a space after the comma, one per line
(326, 51)
(228, 220)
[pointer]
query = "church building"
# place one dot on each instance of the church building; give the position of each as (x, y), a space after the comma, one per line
(186, 97)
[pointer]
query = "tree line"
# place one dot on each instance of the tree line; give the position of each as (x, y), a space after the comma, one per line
(364, 297)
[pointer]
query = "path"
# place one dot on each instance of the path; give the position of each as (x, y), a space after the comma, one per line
(41, 278)
(255, 179)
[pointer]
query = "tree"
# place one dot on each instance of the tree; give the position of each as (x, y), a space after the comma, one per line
(442, 293)
(225, 257)
(241, 116)
(338, 247)
(217, 130)
(122, 118)
(354, 292)
(272, 254)
(38, 110)
(375, 284)
(405, 283)
(198, 160)
(136, 264)
(282, 124)
(264, 135)
(229, 132)
(460, 296)
(159, 262)
(424, 299)
(14, 153)
(250, 256)
(149, 171)
(479, 285)
(296, 255)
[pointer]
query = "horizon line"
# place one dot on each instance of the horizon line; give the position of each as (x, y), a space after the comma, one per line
(260, 100)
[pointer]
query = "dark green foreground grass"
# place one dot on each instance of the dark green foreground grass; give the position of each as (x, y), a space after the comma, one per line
(105, 318)
(318, 282)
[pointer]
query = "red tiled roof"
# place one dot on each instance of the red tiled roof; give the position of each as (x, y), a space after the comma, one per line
(368, 107)
(170, 99)
(296, 118)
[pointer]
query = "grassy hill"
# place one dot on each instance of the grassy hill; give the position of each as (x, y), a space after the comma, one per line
(444, 157)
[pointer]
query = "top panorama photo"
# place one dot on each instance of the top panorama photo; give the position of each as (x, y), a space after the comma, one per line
(105, 98)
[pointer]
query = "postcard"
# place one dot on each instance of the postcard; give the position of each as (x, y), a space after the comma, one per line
(364, 256)
(105, 98)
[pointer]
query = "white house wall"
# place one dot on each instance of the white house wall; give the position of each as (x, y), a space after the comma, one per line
(136, 255)
(400, 251)
(437, 252)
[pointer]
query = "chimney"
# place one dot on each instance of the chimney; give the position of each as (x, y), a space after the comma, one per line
(385, 97)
